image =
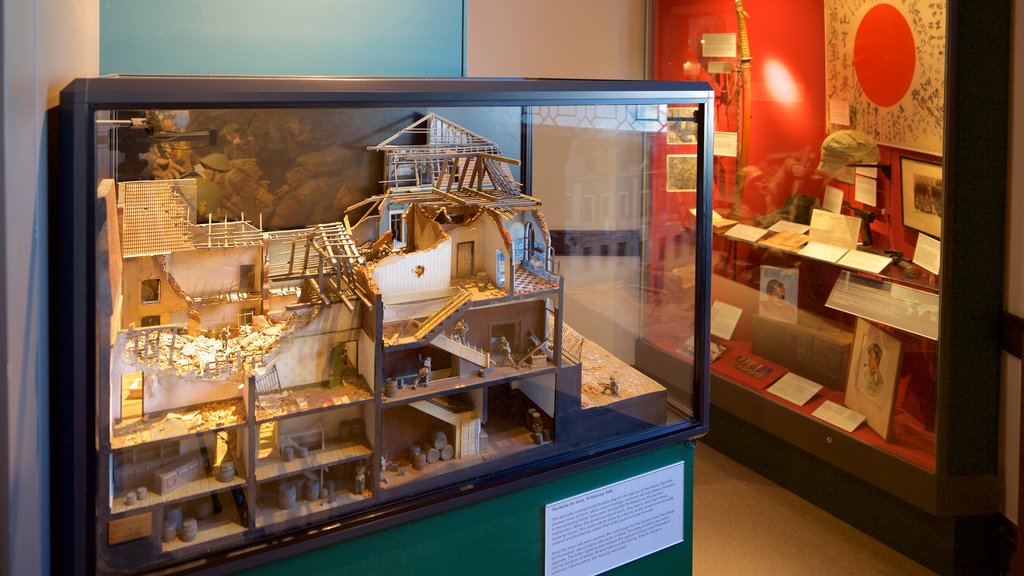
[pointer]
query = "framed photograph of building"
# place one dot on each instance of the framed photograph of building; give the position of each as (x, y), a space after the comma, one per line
(922, 195)
(871, 380)
(682, 173)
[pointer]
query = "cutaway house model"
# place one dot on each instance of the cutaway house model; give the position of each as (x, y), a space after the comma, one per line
(269, 377)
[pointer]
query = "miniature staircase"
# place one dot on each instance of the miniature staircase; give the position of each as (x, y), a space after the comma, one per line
(441, 315)
(468, 353)
(268, 439)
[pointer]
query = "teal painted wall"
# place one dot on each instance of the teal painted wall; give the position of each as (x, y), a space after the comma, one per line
(282, 37)
(501, 536)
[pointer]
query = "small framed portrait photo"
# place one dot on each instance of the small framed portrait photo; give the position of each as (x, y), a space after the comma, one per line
(682, 173)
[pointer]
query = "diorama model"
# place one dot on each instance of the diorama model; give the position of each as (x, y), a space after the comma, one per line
(273, 377)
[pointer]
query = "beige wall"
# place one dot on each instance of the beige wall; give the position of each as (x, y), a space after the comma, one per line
(561, 39)
(46, 44)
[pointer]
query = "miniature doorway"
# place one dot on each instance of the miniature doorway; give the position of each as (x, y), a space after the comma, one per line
(131, 397)
(464, 260)
(508, 330)
(343, 362)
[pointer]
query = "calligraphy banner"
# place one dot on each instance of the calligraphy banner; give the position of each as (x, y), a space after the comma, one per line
(885, 70)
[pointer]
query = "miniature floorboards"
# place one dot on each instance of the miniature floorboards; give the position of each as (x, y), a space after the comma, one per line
(745, 524)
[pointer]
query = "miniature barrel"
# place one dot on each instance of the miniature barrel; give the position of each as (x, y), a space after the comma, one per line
(226, 471)
(285, 495)
(536, 423)
(538, 438)
(433, 455)
(287, 454)
(302, 452)
(344, 430)
(530, 413)
(329, 486)
(141, 493)
(170, 532)
(358, 428)
(438, 439)
(189, 529)
(172, 517)
(312, 490)
(419, 461)
(129, 499)
(447, 452)
(390, 387)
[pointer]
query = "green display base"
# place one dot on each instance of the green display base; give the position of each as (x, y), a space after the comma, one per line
(501, 535)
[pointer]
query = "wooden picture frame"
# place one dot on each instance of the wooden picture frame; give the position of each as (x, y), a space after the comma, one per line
(681, 173)
(681, 127)
(871, 380)
(922, 195)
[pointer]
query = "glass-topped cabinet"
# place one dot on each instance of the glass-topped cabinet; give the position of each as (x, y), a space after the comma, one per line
(291, 304)
(858, 184)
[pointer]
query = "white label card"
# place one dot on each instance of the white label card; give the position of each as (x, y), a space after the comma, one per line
(839, 416)
(726, 144)
(787, 226)
(865, 261)
(796, 389)
(865, 190)
(598, 530)
(719, 45)
(822, 251)
(839, 112)
(928, 253)
(724, 318)
(835, 229)
(745, 232)
(833, 199)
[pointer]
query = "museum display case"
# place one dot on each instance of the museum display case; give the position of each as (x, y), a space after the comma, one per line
(292, 310)
(856, 270)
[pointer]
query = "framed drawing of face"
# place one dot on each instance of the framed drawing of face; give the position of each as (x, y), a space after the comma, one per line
(871, 380)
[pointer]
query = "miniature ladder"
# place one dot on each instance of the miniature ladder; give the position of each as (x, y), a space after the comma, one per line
(572, 344)
(468, 353)
(441, 315)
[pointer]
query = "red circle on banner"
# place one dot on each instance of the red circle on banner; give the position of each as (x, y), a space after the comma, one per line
(884, 56)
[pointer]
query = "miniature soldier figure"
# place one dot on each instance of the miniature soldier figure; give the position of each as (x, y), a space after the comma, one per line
(461, 331)
(506, 348)
(423, 376)
(612, 387)
(224, 335)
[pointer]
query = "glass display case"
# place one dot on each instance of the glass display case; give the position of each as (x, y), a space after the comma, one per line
(857, 257)
(286, 307)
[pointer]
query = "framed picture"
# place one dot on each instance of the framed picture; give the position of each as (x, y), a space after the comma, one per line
(922, 195)
(871, 380)
(682, 125)
(778, 293)
(682, 173)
